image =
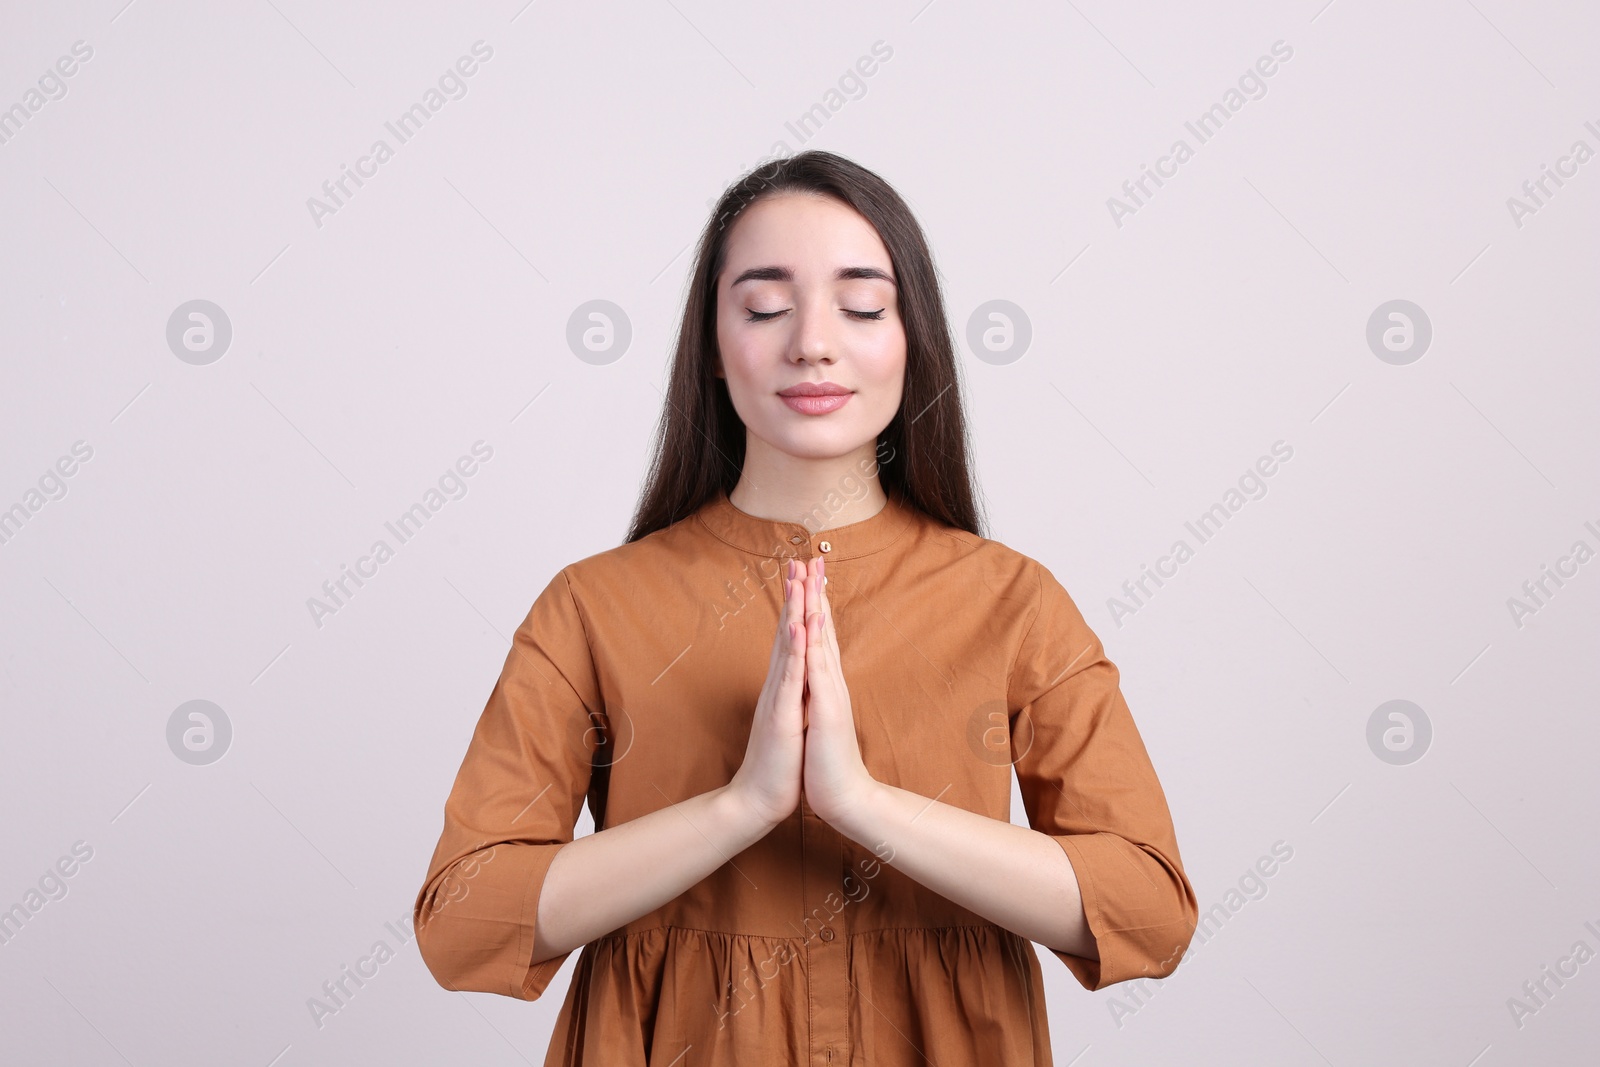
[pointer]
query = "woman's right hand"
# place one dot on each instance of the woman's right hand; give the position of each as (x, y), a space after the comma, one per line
(593, 886)
(769, 779)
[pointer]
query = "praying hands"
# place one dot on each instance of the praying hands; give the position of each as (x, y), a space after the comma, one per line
(803, 736)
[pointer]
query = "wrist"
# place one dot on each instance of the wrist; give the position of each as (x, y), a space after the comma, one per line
(857, 818)
(745, 821)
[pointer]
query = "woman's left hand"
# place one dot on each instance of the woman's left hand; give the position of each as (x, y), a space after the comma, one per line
(836, 782)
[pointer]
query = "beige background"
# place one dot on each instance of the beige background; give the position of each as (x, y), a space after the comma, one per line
(373, 346)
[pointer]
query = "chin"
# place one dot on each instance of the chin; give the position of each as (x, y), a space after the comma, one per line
(821, 444)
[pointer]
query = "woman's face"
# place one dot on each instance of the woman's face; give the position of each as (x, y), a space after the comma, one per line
(818, 282)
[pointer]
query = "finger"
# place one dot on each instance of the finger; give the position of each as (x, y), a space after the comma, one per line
(797, 600)
(832, 626)
(794, 612)
(819, 661)
(821, 650)
(812, 585)
(790, 645)
(794, 657)
(815, 650)
(820, 616)
(827, 615)
(780, 639)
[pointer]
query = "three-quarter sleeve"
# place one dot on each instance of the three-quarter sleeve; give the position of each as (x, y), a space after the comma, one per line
(1087, 781)
(515, 801)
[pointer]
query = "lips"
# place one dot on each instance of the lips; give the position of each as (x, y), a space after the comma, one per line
(815, 389)
(815, 398)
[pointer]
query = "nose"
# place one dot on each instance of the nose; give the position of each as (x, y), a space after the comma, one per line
(812, 338)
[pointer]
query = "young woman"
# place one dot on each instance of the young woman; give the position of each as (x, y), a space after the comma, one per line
(794, 699)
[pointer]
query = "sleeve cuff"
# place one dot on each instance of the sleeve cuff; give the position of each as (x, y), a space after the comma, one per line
(529, 981)
(1117, 899)
(463, 931)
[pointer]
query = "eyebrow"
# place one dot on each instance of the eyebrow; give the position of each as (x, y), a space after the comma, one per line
(784, 274)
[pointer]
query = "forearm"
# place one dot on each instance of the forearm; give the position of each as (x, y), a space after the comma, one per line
(1015, 877)
(606, 879)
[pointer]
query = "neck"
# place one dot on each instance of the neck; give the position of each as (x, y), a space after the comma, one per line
(834, 491)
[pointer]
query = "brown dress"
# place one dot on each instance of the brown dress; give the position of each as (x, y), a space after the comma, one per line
(631, 683)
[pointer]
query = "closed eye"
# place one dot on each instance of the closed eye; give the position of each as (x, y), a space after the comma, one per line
(764, 316)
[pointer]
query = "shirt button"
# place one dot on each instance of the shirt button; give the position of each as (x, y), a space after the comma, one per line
(825, 546)
(827, 933)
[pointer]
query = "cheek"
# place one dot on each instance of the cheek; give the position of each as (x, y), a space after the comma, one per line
(741, 345)
(744, 375)
(885, 365)
(738, 364)
(728, 348)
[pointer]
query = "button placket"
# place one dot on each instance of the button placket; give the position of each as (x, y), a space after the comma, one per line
(827, 968)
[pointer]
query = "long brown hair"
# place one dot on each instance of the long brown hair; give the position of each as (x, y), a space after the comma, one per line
(700, 439)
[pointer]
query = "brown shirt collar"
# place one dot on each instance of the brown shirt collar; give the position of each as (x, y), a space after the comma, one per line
(769, 537)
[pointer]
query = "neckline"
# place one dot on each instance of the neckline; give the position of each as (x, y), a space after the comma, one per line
(777, 539)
